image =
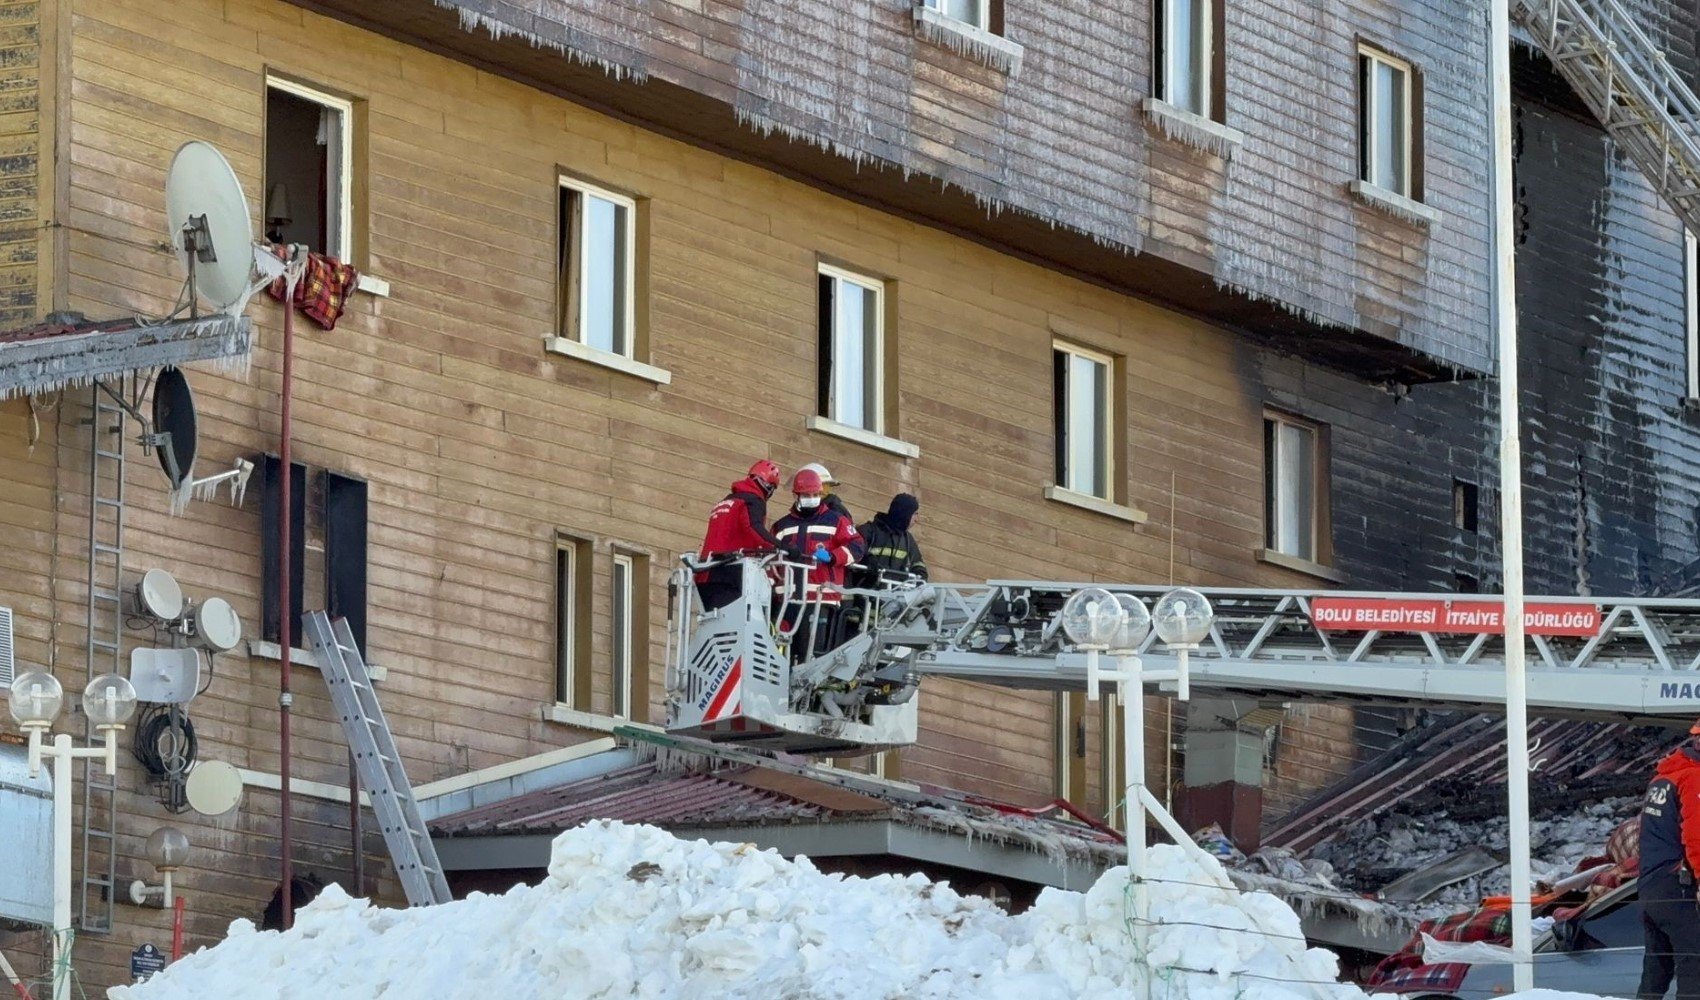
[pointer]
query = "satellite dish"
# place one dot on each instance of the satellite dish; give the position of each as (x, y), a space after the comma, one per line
(208, 222)
(217, 626)
(159, 596)
(174, 414)
(214, 788)
(165, 676)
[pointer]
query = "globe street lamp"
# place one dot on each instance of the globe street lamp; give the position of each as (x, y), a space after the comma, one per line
(36, 699)
(168, 848)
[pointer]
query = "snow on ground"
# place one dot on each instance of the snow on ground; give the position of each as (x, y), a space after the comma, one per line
(1395, 843)
(631, 911)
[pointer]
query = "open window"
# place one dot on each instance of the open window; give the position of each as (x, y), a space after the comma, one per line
(1387, 109)
(974, 13)
(572, 622)
(1295, 471)
(1186, 55)
(598, 268)
(309, 180)
(1085, 420)
(851, 374)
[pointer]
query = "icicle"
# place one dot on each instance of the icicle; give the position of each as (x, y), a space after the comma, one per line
(497, 29)
(966, 40)
(1179, 126)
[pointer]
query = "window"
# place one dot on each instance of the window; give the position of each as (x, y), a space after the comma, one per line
(1466, 506)
(571, 684)
(1184, 59)
(598, 269)
(1691, 312)
(1384, 116)
(975, 12)
(1464, 583)
(1085, 421)
(309, 180)
(1110, 758)
(852, 349)
(620, 642)
(1069, 745)
(1295, 477)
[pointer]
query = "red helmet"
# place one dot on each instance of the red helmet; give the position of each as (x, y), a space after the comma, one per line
(807, 481)
(766, 475)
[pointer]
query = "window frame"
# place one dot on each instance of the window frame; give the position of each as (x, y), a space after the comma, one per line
(621, 658)
(570, 305)
(1320, 552)
(1204, 53)
(827, 342)
(344, 107)
(1068, 745)
(1368, 122)
(1063, 432)
(572, 618)
(983, 10)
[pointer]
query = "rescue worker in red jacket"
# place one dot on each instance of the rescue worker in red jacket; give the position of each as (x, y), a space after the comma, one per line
(1670, 855)
(737, 524)
(828, 541)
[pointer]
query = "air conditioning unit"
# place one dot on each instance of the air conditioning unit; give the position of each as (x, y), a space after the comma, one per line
(6, 661)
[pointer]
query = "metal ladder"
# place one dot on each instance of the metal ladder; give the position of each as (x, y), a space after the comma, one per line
(377, 761)
(104, 649)
(1625, 79)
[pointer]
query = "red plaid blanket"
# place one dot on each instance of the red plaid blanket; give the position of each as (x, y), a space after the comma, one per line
(324, 288)
(1404, 971)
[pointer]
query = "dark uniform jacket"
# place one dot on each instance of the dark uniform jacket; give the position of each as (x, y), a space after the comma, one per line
(1670, 817)
(891, 550)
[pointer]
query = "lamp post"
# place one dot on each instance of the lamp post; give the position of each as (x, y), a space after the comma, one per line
(36, 700)
(1096, 620)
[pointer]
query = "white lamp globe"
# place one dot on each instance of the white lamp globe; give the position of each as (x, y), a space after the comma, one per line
(109, 701)
(1182, 617)
(1092, 616)
(1136, 623)
(36, 699)
(168, 848)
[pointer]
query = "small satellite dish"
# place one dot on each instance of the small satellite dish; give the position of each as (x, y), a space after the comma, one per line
(174, 414)
(208, 222)
(214, 788)
(159, 596)
(165, 676)
(217, 626)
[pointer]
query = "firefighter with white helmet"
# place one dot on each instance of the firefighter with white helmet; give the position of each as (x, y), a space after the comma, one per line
(829, 493)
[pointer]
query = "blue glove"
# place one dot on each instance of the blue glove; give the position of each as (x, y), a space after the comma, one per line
(822, 555)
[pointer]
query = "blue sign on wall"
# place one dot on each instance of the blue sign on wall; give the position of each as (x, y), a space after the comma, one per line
(144, 962)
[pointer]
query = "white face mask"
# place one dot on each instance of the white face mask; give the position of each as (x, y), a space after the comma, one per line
(808, 503)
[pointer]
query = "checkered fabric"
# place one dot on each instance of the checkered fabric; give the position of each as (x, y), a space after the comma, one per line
(324, 288)
(1404, 971)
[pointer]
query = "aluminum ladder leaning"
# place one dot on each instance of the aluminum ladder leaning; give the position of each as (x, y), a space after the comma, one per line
(376, 759)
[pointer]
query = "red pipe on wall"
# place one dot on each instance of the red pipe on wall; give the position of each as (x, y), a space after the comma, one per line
(177, 929)
(285, 612)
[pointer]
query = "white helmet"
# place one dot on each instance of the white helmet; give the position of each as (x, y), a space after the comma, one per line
(821, 471)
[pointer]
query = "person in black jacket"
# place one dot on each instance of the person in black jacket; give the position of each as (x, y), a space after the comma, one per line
(892, 550)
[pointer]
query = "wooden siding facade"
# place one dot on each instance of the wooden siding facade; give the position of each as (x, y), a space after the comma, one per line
(482, 450)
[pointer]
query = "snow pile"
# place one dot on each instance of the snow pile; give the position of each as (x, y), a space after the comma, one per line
(1375, 852)
(630, 911)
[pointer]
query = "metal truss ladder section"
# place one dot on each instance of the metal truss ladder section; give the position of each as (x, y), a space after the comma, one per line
(1625, 79)
(105, 618)
(377, 761)
(1642, 663)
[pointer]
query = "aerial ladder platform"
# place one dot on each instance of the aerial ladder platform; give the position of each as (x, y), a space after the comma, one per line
(731, 677)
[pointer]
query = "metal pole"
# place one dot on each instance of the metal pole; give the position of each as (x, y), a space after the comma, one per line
(1131, 691)
(285, 613)
(62, 757)
(1511, 495)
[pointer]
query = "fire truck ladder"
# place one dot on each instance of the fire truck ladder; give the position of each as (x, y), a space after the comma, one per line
(1642, 665)
(104, 641)
(1625, 79)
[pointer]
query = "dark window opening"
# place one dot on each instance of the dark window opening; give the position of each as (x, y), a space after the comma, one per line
(1465, 505)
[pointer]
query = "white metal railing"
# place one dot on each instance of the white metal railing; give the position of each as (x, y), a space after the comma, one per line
(1626, 80)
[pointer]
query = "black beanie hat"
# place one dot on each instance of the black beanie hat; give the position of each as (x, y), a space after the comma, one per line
(902, 511)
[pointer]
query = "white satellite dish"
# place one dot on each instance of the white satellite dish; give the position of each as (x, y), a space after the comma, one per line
(214, 788)
(208, 222)
(165, 676)
(217, 626)
(159, 596)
